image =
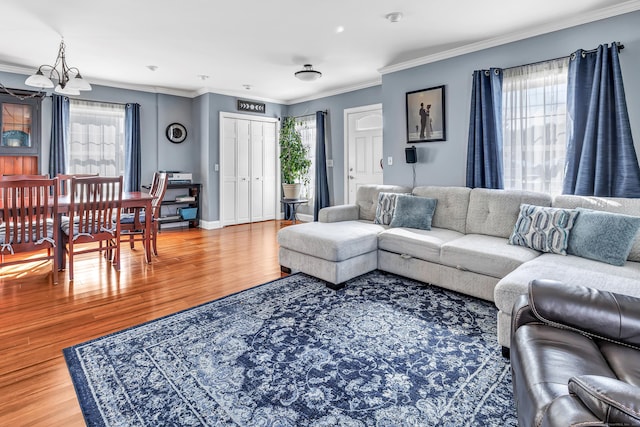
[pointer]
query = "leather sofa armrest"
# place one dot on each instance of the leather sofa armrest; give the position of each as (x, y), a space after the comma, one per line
(522, 314)
(611, 400)
(339, 213)
(601, 314)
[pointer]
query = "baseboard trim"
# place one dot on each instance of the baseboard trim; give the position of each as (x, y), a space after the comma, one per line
(210, 225)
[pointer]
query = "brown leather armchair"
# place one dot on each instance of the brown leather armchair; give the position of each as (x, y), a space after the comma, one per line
(575, 356)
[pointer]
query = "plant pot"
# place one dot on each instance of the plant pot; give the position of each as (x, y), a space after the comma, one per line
(291, 191)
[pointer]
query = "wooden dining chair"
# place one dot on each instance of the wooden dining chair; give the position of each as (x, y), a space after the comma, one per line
(132, 224)
(93, 202)
(30, 221)
(64, 181)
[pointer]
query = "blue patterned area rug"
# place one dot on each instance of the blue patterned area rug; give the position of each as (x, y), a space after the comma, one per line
(384, 351)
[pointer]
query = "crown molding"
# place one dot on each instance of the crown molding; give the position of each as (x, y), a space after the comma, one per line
(333, 92)
(585, 18)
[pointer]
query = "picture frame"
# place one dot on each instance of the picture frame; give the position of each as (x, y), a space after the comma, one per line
(426, 115)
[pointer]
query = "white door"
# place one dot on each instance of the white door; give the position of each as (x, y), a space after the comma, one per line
(243, 214)
(270, 192)
(229, 172)
(249, 179)
(363, 151)
(257, 172)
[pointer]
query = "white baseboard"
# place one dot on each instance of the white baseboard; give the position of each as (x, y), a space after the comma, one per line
(210, 225)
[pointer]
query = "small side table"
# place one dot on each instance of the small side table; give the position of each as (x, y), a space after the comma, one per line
(293, 204)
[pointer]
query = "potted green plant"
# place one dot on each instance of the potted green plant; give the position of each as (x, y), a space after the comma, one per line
(294, 160)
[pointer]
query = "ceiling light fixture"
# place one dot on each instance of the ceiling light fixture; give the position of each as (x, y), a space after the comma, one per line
(308, 73)
(70, 82)
(394, 17)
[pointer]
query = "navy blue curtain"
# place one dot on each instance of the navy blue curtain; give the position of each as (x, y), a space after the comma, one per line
(322, 182)
(132, 153)
(59, 135)
(601, 159)
(484, 151)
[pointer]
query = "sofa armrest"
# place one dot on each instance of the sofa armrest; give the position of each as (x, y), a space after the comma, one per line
(611, 400)
(522, 314)
(339, 213)
(601, 314)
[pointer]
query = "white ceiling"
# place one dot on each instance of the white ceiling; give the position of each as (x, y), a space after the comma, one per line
(262, 43)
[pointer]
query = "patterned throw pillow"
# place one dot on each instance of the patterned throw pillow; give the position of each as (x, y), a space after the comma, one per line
(543, 229)
(386, 207)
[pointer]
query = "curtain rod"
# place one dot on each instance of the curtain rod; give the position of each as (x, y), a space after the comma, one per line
(97, 102)
(618, 44)
(325, 112)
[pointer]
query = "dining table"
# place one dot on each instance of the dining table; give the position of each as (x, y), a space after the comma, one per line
(130, 200)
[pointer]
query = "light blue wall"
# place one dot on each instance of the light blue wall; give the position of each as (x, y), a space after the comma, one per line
(444, 163)
(335, 106)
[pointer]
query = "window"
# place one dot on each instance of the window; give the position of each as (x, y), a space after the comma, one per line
(307, 127)
(96, 138)
(534, 109)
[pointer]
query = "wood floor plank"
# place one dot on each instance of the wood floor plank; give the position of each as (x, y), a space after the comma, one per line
(38, 319)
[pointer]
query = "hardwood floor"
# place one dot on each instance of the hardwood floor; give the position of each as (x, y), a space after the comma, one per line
(39, 319)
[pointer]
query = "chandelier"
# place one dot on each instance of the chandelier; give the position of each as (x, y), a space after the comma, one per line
(69, 80)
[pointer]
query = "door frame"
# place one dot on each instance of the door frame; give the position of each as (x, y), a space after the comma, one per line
(226, 115)
(347, 113)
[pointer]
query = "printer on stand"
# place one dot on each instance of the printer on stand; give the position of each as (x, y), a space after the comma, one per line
(175, 177)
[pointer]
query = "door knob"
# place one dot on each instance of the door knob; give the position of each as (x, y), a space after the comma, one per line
(352, 177)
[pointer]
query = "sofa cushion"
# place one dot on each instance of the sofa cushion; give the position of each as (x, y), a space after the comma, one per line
(453, 203)
(421, 244)
(608, 204)
(367, 198)
(385, 208)
(567, 269)
(494, 212)
(336, 241)
(489, 255)
(603, 236)
(543, 229)
(413, 212)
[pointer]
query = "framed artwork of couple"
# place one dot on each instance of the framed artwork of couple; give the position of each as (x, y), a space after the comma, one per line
(425, 115)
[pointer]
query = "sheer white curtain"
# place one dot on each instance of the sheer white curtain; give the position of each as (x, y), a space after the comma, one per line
(534, 101)
(306, 125)
(96, 138)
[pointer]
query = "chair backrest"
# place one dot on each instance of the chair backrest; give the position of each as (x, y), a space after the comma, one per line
(21, 177)
(158, 190)
(64, 184)
(95, 204)
(29, 212)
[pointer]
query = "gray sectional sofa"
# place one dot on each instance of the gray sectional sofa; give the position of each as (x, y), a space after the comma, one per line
(466, 250)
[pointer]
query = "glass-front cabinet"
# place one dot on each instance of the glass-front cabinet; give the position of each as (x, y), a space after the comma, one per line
(20, 124)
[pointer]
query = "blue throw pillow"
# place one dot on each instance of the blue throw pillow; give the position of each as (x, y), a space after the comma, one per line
(603, 236)
(543, 229)
(413, 212)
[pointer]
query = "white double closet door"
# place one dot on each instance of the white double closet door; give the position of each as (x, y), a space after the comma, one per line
(248, 169)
